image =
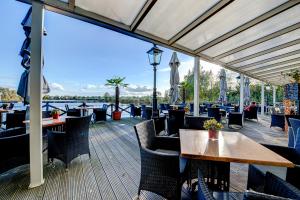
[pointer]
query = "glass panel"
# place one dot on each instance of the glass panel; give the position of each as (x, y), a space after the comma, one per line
(168, 17)
(270, 55)
(263, 46)
(229, 18)
(273, 62)
(275, 68)
(262, 29)
(122, 11)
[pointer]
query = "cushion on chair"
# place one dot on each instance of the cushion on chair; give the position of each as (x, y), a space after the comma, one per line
(176, 153)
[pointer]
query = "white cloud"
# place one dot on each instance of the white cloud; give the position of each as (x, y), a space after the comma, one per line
(57, 86)
(165, 69)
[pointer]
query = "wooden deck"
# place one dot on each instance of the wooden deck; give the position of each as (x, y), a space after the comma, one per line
(114, 168)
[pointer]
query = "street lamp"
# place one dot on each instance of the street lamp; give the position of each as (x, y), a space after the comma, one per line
(154, 55)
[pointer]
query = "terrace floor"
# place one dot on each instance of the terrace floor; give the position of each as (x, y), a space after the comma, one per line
(114, 168)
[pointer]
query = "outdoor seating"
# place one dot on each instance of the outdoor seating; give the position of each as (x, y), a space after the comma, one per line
(235, 118)
(46, 114)
(278, 120)
(15, 119)
(160, 126)
(251, 114)
(14, 148)
(68, 145)
(195, 122)
(263, 187)
(146, 112)
(269, 184)
(291, 141)
(74, 112)
(293, 134)
(175, 121)
(99, 114)
(293, 155)
(191, 107)
(215, 113)
(159, 162)
(135, 111)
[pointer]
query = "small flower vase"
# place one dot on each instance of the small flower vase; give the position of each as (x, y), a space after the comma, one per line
(55, 116)
(213, 134)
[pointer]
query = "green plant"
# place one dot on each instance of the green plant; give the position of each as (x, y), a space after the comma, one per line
(184, 86)
(55, 112)
(116, 82)
(212, 124)
(294, 74)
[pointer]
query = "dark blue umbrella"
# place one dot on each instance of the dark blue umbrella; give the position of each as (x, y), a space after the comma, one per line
(25, 52)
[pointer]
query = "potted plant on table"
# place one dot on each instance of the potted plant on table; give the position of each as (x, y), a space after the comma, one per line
(116, 82)
(213, 128)
(55, 113)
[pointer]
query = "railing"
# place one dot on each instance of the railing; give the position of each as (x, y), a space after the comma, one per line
(48, 106)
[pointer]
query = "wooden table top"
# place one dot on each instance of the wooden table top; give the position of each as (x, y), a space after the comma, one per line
(3, 110)
(230, 147)
(48, 122)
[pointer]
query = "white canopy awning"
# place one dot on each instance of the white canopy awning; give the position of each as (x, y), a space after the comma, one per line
(260, 39)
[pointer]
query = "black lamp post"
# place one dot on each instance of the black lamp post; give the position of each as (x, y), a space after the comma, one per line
(154, 55)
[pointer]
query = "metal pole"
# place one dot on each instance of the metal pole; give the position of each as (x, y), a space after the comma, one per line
(154, 100)
(35, 87)
(262, 98)
(196, 85)
(274, 95)
(241, 93)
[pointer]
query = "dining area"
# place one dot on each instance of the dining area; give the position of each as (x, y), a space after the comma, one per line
(202, 165)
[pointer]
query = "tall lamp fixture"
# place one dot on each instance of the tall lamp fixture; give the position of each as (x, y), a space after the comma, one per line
(154, 55)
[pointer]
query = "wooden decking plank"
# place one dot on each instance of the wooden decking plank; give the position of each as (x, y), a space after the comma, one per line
(90, 183)
(118, 187)
(126, 153)
(52, 189)
(103, 183)
(119, 167)
(79, 187)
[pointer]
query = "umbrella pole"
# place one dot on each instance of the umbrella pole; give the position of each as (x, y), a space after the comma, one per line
(35, 85)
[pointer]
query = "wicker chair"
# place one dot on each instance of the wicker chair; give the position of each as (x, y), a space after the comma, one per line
(15, 119)
(268, 184)
(74, 112)
(175, 121)
(14, 148)
(235, 118)
(252, 114)
(197, 123)
(278, 120)
(292, 174)
(215, 113)
(135, 111)
(99, 114)
(270, 187)
(67, 145)
(159, 162)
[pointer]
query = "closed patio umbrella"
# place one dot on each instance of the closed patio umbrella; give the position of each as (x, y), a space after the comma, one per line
(247, 91)
(223, 86)
(174, 78)
(23, 88)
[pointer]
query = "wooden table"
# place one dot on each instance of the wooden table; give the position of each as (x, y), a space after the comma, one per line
(50, 122)
(230, 147)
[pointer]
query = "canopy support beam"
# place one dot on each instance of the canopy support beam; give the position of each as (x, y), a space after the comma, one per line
(242, 93)
(142, 14)
(35, 87)
(196, 85)
(262, 98)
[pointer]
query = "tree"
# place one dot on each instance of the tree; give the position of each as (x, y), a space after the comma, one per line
(116, 82)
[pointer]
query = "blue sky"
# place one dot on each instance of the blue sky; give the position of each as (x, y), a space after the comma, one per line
(79, 57)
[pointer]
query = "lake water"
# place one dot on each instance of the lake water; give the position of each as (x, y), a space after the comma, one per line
(20, 106)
